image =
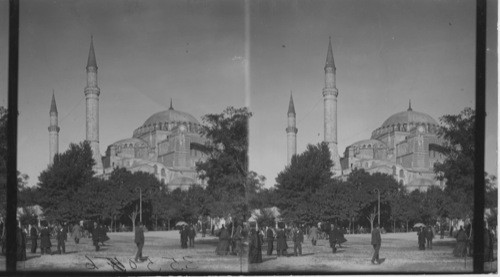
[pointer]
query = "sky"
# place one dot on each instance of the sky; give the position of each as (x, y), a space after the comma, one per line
(208, 55)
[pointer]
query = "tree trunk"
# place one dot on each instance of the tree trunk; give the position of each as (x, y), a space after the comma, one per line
(394, 226)
(168, 220)
(156, 222)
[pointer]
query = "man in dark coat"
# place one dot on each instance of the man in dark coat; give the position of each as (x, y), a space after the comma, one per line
(21, 244)
(203, 229)
(191, 235)
(45, 240)
(139, 241)
(429, 236)
(332, 237)
(421, 238)
(103, 236)
(255, 247)
(184, 236)
(298, 239)
(223, 246)
(281, 245)
(95, 236)
(461, 247)
(270, 241)
(62, 236)
(238, 239)
(376, 242)
(34, 238)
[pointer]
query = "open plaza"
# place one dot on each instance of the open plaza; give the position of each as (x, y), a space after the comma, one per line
(164, 252)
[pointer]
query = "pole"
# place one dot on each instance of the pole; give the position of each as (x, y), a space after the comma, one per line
(378, 207)
(140, 204)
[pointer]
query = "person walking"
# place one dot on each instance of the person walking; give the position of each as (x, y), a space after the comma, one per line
(421, 238)
(139, 241)
(61, 236)
(270, 240)
(21, 244)
(254, 247)
(376, 242)
(103, 234)
(76, 233)
(442, 231)
(191, 235)
(429, 236)
(461, 247)
(203, 229)
(313, 234)
(34, 238)
(281, 245)
(298, 239)
(184, 236)
(238, 239)
(95, 236)
(223, 246)
(45, 240)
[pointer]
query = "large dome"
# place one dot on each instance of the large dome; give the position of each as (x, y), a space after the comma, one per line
(168, 116)
(409, 116)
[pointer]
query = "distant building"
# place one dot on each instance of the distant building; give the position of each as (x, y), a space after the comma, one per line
(405, 146)
(168, 144)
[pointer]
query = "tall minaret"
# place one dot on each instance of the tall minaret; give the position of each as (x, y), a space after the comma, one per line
(330, 94)
(53, 131)
(92, 92)
(291, 131)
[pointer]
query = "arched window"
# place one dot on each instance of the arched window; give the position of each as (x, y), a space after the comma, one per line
(163, 172)
(394, 172)
(401, 174)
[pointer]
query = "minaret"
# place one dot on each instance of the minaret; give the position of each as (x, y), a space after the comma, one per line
(53, 131)
(330, 94)
(291, 131)
(92, 92)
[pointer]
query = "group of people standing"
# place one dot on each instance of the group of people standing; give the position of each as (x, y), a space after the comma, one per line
(230, 240)
(187, 232)
(425, 234)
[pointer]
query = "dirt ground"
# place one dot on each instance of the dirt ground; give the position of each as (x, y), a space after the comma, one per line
(165, 255)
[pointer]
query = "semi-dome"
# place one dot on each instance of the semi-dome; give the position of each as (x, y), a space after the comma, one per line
(368, 143)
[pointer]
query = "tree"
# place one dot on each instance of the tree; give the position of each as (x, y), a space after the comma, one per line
(226, 168)
(59, 183)
(299, 181)
(457, 169)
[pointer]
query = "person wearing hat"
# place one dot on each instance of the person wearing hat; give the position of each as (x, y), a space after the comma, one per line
(254, 246)
(34, 238)
(298, 239)
(270, 240)
(45, 239)
(139, 241)
(61, 238)
(95, 236)
(281, 245)
(376, 242)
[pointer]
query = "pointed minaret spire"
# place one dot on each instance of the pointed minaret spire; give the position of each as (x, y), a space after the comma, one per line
(291, 107)
(171, 107)
(53, 106)
(329, 56)
(409, 106)
(91, 62)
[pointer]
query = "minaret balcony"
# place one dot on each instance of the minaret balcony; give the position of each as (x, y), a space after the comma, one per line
(291, 129)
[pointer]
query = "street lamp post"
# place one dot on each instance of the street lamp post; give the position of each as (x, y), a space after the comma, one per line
(378, 192)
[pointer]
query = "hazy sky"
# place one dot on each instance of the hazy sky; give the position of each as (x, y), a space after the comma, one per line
(208, 55)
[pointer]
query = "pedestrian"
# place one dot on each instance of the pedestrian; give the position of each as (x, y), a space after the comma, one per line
(332, 238)
(76, 233)
(45, 243)
(461, 247)
(238, 239)
(281, 245)
(213, 229)
(313, 234)
(191, 235)
(254, 247)
(451, 231)
(184, 236)
(95, 236)
(298, 239)
(139, 241)
(203, 229)
(442, 231)
(339, 236)
(429, 236)
(376, 242)
(270, 240)
(21, 244)
(421, 238)
(103, 236)
(34, 238)
(61, 236)
(223, 246)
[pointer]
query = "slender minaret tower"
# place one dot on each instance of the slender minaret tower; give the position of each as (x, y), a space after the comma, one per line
(53, 131)
(92, 92)
(291, 131)
(330, 94)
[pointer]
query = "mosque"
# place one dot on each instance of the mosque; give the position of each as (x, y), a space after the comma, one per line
(167, 145)
(406, 145)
